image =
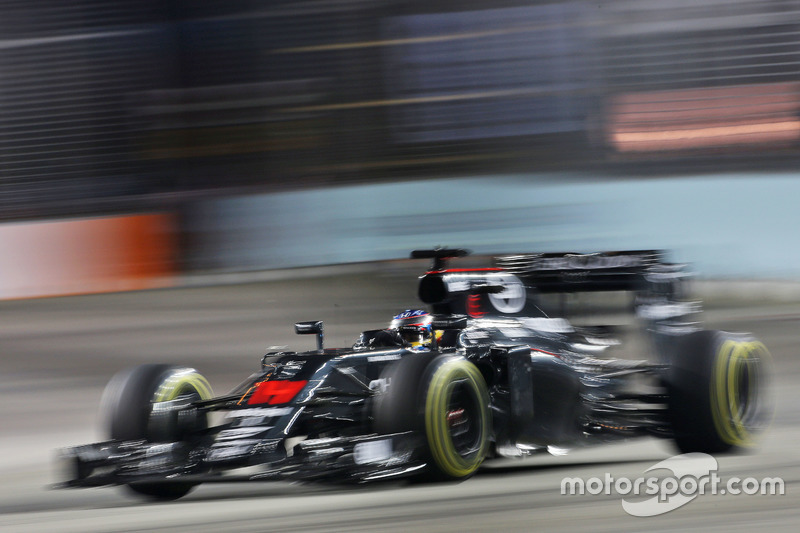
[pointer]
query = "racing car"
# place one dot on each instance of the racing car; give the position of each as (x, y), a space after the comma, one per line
(481, 372)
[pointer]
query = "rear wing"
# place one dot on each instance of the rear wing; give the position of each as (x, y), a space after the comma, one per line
(642, 271)
(511, 286)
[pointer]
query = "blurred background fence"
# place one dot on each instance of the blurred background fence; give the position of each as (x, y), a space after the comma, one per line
(242, 134)
(134, 105)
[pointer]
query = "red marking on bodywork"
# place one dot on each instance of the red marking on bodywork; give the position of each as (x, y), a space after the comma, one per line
(474, 306)
(545, 352)
(275, 392)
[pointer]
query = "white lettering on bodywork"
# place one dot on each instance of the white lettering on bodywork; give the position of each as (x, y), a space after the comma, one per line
(372, 451)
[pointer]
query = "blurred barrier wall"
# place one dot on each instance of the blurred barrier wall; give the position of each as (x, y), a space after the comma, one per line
(86, 256)
(139, 106)
(725, 225)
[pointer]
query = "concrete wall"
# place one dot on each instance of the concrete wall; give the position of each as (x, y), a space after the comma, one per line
(726, 225)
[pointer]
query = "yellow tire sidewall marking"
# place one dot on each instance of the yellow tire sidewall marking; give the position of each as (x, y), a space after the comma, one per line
(731, 360)
(443, 382)
(182, 381)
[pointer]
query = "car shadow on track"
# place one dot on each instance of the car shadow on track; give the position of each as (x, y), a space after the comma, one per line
(507, 467)
(223, 492)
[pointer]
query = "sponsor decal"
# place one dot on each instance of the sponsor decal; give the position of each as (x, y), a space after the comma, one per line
(410, 313)
(385, 357)
(241, 433)
(372, 451)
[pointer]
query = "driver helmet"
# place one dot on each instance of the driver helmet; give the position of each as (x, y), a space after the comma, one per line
(414, 326)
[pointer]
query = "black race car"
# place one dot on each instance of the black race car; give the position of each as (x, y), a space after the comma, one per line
(482, 373)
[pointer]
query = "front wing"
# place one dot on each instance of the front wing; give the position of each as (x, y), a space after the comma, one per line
(354, 459)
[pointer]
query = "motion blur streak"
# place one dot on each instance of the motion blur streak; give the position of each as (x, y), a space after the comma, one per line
(690, 119)
(145, 106)
(712, 136)
(85, 256)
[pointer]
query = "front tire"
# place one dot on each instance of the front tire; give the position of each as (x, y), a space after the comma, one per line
(445, 399)
(127, 409)
(718, 386)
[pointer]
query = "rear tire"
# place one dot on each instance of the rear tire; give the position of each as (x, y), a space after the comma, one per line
(445, 399)
(127, 408)
(718, 386)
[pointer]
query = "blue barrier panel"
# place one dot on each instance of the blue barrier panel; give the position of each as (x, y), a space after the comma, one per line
(726, 225)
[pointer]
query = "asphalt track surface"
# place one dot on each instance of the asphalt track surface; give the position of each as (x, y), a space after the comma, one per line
(57, 354)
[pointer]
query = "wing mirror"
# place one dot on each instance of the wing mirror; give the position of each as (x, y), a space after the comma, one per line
(310, 328)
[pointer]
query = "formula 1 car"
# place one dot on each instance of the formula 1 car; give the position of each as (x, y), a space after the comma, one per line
(481, 374)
